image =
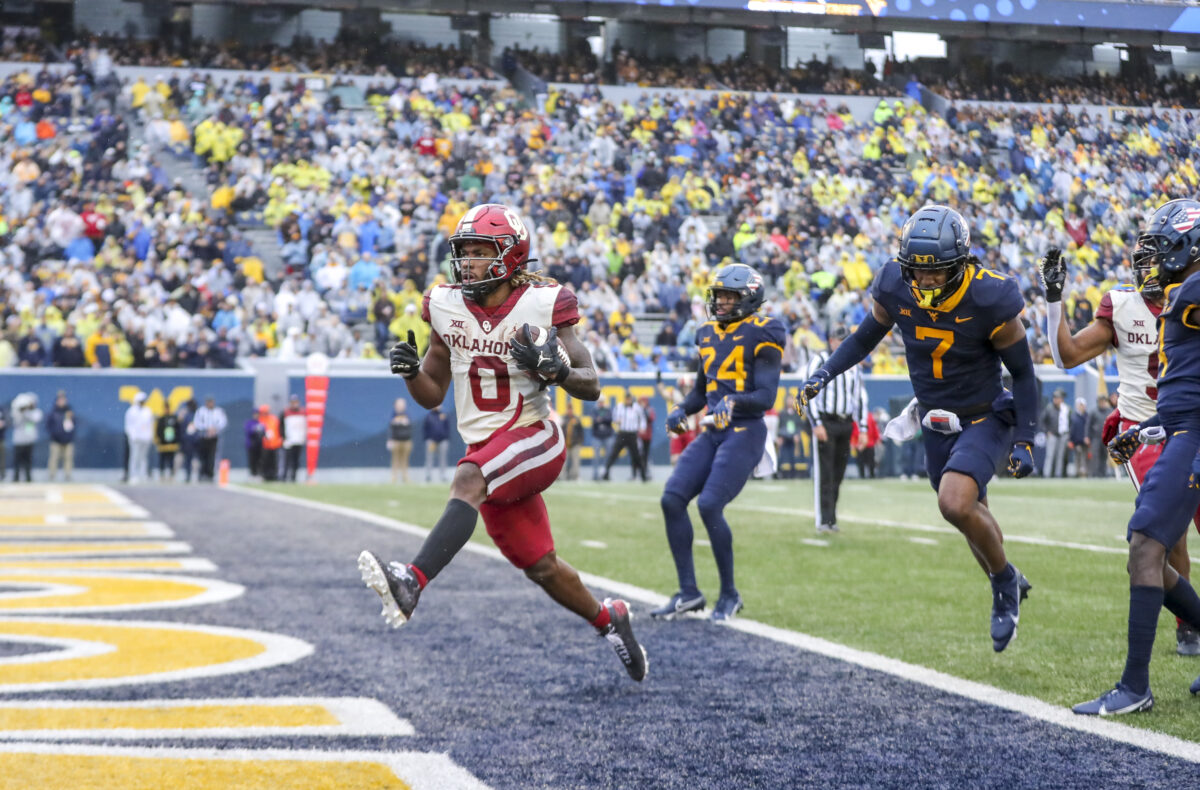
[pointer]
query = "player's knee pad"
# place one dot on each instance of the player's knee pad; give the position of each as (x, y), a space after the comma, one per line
(673, 504)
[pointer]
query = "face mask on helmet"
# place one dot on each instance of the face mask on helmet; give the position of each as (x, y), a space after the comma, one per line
(1146, 261)
(496, 272)
(932, 296)
(1159, 261)
(730, 312)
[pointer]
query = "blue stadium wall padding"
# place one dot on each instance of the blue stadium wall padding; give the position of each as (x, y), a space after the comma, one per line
(100, 398)
(356, 419)
(359, 408)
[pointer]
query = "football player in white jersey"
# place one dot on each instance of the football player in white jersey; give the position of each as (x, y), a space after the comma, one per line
(1126, 320)
(502, 335)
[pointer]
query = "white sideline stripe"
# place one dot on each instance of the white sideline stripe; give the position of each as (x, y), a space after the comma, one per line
(814, 542)
(923, 541)
(938, 528)
(593, 544)
(978, 692)
(117, 498)
(419, 770)
(357, 716)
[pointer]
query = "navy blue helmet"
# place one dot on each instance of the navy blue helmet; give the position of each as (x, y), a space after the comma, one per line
(936, 238)
(743, 281)
(1169, 242)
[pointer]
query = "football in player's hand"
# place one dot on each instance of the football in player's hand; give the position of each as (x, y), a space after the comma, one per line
(539, 353)
(536, 336)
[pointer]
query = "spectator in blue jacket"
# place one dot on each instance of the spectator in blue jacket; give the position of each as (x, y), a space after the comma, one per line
(60, 424)
(437, 435)
(1078, 441)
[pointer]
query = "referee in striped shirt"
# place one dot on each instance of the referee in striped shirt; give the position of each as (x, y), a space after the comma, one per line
(629, 418)
(832, 415)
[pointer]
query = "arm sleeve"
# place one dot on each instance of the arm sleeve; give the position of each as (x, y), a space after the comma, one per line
(695, 400)
(1150, 422)
(766, 383)
(1025, 395)
(855, 348)
(1053, 319)
(812, 409)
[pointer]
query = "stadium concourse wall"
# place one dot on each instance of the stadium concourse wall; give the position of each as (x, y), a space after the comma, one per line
(359, 406)
(100, 398)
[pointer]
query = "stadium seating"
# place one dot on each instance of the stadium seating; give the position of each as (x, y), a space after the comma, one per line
(631, 202)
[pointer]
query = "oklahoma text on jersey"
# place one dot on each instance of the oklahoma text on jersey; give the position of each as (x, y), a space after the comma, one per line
(490, 391)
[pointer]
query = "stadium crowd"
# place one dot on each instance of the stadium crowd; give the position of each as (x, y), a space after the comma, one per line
(1006, 85)
(743, 74)
(631, 204)
(352, 52)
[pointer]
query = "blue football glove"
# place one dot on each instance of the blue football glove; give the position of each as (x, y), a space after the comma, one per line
(1124, 445)
(677, 420)
(811, 388)
(723, 414)
(1194, 480)
(1020, 460)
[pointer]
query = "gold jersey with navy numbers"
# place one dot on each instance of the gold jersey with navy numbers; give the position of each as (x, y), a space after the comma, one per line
(728, 353)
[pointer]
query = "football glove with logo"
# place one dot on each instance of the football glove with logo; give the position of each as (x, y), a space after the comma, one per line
(405, 360)
(723, 414)
(811, 388)
(677, 420)
(1020, 460)
(1054, 274)
(547, 360)
(1125, 444)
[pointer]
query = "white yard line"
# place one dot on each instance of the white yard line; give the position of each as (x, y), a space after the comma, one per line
(908, 525)
(978, 692)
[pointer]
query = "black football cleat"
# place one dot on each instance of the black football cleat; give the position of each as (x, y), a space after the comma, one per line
(619, 634)
(395, 584)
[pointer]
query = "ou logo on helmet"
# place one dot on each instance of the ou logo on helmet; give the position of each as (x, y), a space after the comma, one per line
(516, 224)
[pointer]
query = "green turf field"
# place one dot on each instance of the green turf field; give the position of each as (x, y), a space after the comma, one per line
(896, 581)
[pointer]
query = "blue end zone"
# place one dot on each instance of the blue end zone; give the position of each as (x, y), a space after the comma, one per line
(522, 694)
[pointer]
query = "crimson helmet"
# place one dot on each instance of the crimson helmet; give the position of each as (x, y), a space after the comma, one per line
(495, 224)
